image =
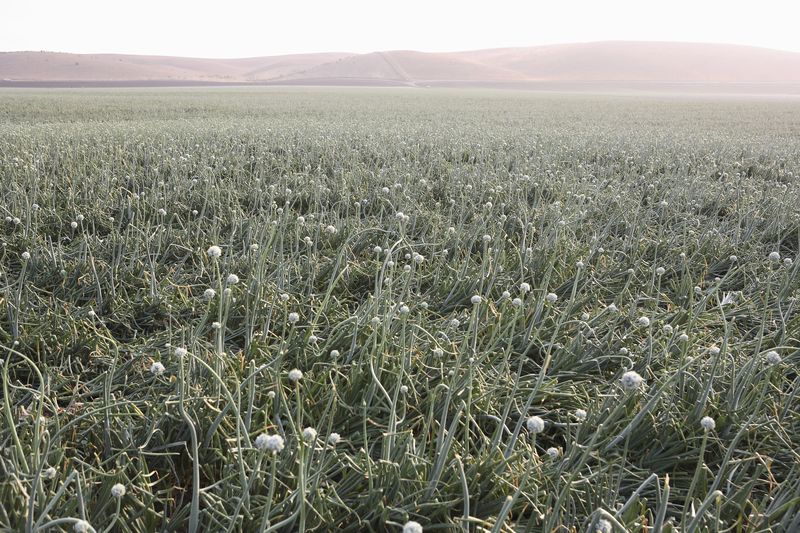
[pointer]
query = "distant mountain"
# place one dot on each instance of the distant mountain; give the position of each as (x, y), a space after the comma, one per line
(55, 66)
(602, 62)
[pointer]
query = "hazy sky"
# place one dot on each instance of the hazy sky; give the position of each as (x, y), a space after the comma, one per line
(238, 28)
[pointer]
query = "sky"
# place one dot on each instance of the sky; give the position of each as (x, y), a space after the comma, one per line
(238, 28)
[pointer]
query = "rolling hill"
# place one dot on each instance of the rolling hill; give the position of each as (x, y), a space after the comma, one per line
(594, 63)
(55, 66)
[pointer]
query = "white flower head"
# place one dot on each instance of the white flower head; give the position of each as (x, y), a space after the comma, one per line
(660, 271)
(293, 318)
(118, 490)
(643, 321)
(157, 368)
(404, 310)
(214, 251)
(580, 414)
(516, 302)
(49, 473)
(553, 452)
(331, 230)
(535, 424)
(604, 526)
(476, 299)
(232, 279)
(334, 438)
(774, 256)
(631, 380)
(26, 256)
(707, 423)
(209, 293)
(773, 358)
(81, 526)
(269, 443)
(551, 297)
(309, 434)
(412, 527)
(295, 375)
(525, 287)
(181, 352)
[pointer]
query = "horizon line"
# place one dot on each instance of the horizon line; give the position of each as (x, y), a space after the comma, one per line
(570, 43)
